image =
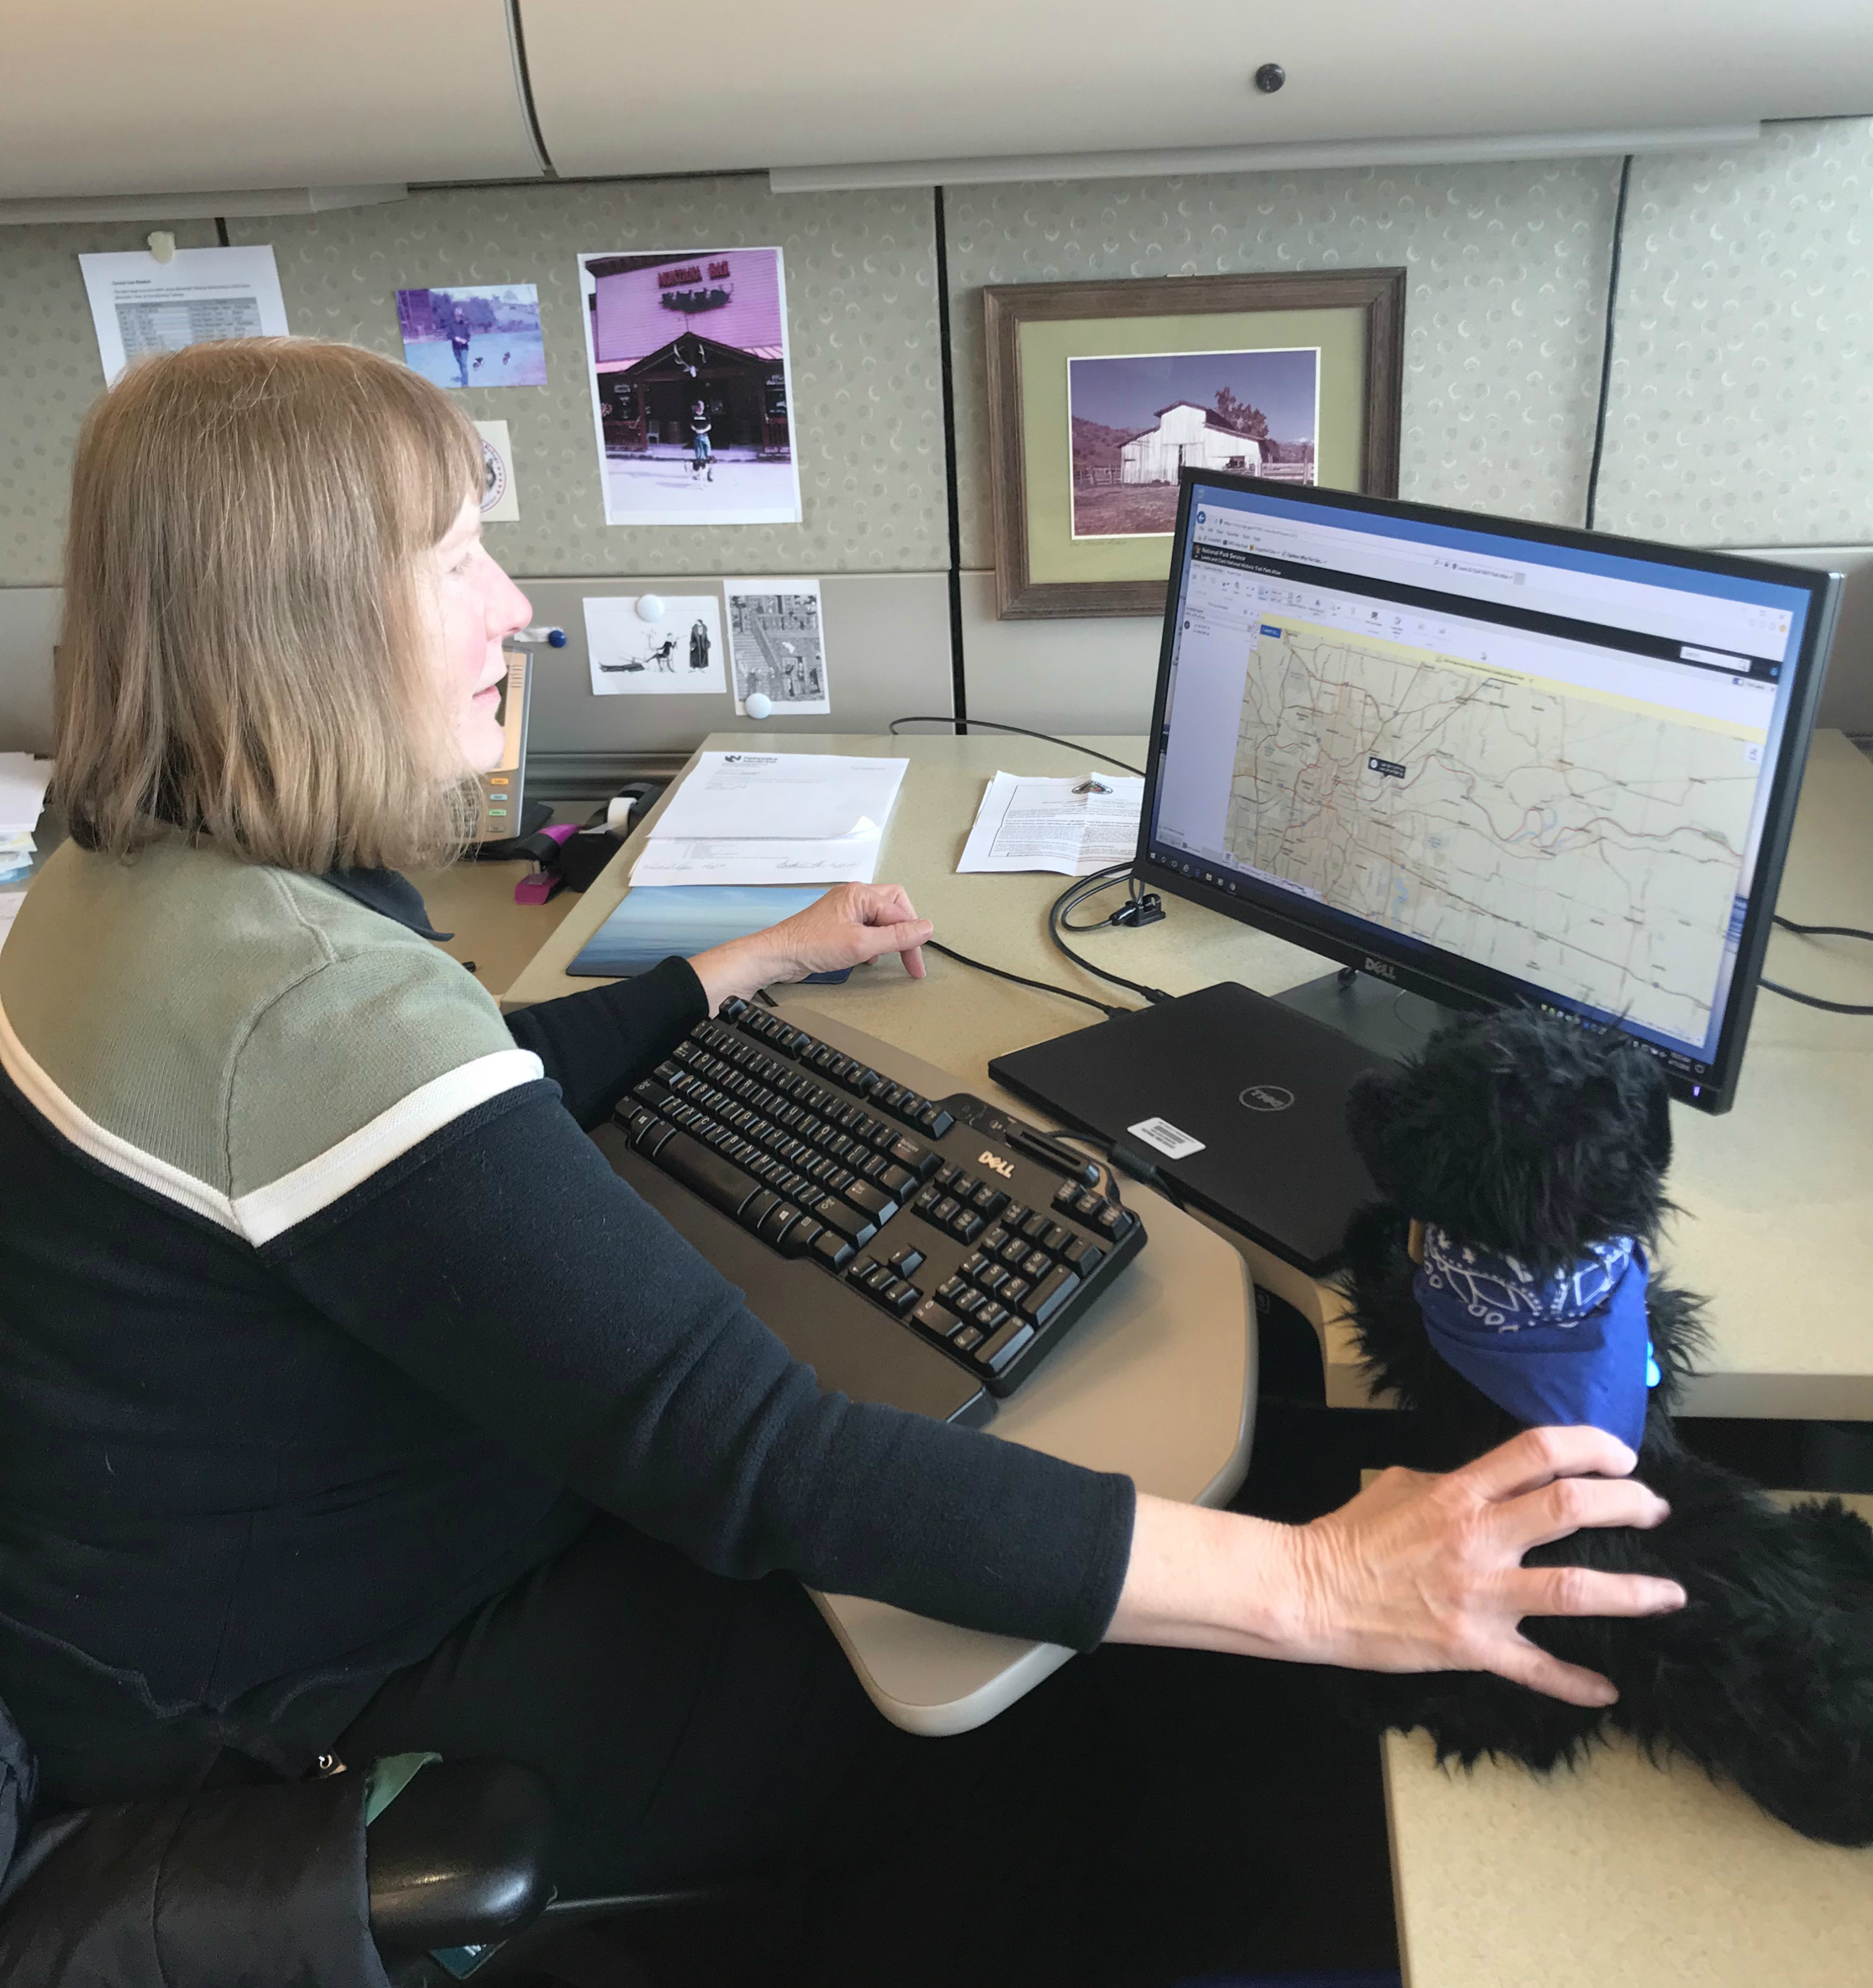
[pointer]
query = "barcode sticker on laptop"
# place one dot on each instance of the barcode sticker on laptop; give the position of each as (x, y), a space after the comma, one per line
(1163, 1135)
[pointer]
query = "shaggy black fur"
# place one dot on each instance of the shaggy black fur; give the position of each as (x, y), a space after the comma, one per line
(1530, 1135)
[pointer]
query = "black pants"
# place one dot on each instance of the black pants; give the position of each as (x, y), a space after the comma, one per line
(694, 1727)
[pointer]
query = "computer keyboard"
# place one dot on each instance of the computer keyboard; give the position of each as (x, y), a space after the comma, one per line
(910, 1202)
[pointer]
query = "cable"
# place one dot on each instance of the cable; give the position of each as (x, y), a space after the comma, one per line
(1022, 979)
(1069, 900)
(1099, 924)
(1822, 931)
(1814, 1000)
(990, 724)
(1606, 352)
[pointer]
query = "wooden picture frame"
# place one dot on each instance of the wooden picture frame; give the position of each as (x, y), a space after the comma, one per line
(1355, 316)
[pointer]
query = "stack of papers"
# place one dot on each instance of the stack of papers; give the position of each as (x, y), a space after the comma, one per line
(22, 798)
(773, 818)
(1071, 827)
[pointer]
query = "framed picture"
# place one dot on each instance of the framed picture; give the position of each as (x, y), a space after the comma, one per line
(1100, 393)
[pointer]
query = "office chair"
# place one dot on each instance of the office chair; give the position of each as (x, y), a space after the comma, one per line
(278, 1886)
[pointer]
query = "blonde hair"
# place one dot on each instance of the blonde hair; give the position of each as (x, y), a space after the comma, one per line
(243, 650)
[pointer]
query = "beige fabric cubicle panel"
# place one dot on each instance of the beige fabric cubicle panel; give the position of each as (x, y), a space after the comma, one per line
(861, 271)
(104, 97)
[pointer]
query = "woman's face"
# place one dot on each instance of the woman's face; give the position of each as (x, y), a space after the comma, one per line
(471, 606)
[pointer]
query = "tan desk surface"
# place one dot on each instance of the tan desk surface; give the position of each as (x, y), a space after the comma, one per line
(1620, 1874)
(1777, 1195)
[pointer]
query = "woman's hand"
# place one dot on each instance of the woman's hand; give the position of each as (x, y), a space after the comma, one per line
(1417, 1573)
(851, 924)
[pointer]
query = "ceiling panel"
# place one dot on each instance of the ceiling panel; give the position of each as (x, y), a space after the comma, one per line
(102, 96)
(629, 88)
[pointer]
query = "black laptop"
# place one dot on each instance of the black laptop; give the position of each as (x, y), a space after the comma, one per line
(1239, 1101)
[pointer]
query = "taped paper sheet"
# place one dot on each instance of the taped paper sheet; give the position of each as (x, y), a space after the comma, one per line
(139, 305)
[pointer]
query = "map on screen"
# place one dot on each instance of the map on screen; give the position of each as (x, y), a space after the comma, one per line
(1586, 842)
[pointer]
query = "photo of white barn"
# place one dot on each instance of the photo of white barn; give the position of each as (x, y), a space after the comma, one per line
(1186, 434)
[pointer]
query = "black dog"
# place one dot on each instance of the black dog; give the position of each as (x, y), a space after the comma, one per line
(1529, 1138)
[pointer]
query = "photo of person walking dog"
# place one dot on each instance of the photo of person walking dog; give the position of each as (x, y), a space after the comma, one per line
(482, 335)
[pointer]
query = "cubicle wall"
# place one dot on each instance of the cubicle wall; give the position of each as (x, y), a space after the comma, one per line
(1740, 408)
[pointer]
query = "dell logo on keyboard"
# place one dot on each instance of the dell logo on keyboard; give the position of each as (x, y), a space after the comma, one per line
(1005, 1167)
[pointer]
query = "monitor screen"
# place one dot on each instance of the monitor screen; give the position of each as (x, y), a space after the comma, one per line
(1491, 761)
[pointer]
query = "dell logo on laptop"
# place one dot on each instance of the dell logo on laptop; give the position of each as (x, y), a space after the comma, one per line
(1266, 1097)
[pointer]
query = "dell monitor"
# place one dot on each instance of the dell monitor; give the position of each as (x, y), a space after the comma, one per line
(1486, 761)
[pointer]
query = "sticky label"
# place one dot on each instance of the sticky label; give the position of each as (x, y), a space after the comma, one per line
(1164, 1136)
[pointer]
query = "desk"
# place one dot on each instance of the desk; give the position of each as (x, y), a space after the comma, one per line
(1776, 1196)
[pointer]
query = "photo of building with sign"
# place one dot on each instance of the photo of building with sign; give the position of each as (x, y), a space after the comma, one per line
(690, 386)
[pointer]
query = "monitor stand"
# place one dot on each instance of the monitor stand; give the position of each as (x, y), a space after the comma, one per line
(1383, 1018)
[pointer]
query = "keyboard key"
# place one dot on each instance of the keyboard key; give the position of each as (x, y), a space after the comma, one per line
(950, 1290)
(970, 1335)
(934, 1318)
(776, 1221)
(1014, 1290)
(1055, 1240)
(912, 1153)
(875, 1202)
(652, 1093)
(946, 1173)
(898, 1180)
(970, 1303)
(651, 1140)
(763, 1204)
(966, 1224)
(928, 1199)
(900, 1296)
(974, 1267)
(1045, 1300)
(908, 1261)
(892, 1097)
(831, 1249)
(1000, 1350)
(880, 1136)
(1065, 1195)
(944, 1209)
(992, 1241)
(711, 1176)
(875, 1166)
(1086, 1203)
(1113, 1222)
(1085, 1257)
(1036, 1264)
(964, 1185)
(1035, 1227)
(854, 1226)
(732, 1008)
(801, 1235)
(1012, 1249)
(935, 1121)
(991, 1315)
(993, 1277)
(1014, 1214)
(989, 1199)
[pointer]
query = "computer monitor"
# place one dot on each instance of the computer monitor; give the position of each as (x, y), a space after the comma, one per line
(1486, 761)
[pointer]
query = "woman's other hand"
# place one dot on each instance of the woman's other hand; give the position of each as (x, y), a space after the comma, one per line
(1417, 1573)
(851, 924)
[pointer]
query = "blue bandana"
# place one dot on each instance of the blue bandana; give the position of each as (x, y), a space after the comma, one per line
(1567, 1348)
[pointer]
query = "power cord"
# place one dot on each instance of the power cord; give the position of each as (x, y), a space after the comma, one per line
(992, 724)
(1814, 1000)
(1069, 900)
(1022, 979)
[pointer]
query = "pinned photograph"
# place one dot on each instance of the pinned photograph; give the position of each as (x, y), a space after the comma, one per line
(692, 395)
(500, 501)
(485, 335)
(675, 650)
(776, 647)
(1138, 419)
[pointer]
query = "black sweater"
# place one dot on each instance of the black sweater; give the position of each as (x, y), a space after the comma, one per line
(242, 1467)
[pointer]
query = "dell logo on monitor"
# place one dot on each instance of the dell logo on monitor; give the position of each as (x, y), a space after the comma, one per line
(1379, 969)
(1266, 1097)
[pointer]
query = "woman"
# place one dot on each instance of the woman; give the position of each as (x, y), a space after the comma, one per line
(352, 1401)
